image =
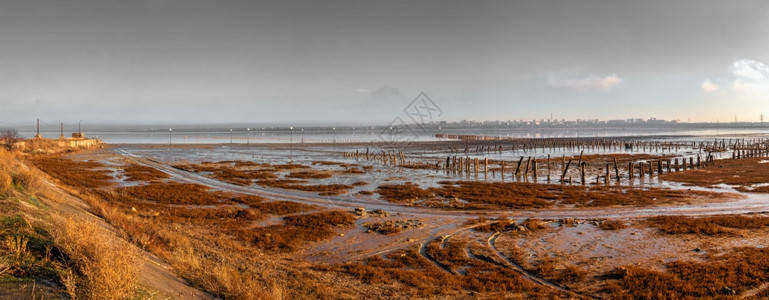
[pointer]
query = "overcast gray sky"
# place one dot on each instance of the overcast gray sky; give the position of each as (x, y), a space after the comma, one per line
(206, 61)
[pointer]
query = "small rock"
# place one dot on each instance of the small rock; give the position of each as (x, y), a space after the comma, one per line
(728, 291)
(411, 240)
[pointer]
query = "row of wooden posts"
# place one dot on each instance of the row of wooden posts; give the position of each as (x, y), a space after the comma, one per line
(472, 165)
(458, 165)
(559, 144)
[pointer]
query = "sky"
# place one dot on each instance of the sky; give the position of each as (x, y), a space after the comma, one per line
(339, 62)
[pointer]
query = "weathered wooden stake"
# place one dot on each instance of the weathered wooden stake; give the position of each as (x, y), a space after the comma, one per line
(565, 169)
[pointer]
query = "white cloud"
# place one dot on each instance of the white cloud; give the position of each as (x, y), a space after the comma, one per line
(752, 77)
(709, 86)
(750, 69)
(585, 84)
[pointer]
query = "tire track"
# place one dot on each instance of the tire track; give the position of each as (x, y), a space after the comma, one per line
(526, 274)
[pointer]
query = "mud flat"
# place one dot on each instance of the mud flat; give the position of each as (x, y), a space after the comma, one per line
(245, 221)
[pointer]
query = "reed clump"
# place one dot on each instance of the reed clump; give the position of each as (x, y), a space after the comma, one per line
(719, 276)
(714, 225)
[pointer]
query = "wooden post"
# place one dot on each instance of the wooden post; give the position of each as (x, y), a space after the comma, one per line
(580, 158)
(677, 168)
(606, 178)
(534, 168)
(486, 166)
(565, 169)
(582, 172)
(659, 167)
(616, 169)
(548, 168)
(526, 171)
(518, 168)
(630, 170)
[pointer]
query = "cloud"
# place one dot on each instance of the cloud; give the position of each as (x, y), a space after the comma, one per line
(709, 86)
(752, 77)
(750, 69)
(585, 84)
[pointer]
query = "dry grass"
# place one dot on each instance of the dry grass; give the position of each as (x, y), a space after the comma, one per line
(74, 173)
(108, 268)
(612, 225)
(313, 174)
(518, 195)
(322, 189)
(717, 225)
(84, 258)
(402, 193)
(739, 270)
(297, 230)
(273, 207)
(174, 193)
(135, 172)
(235, 172)
(408, 268)
(560, 272)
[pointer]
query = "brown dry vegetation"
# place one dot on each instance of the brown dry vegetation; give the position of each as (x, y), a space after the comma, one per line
(235, 172)
(502, 225)
(739, 270)
(739, 172)
(215, 246)
(715, 225)
(76, 258)
(87, 174)
(273, 207)
(322, 189)
(297, 230)
(247, 173)
(402, 193)
(612, 225)
(532, 195)
(559, 272)
(314, 174)
(408, 268)
(174, 193)
(108, 267)
(135, 172)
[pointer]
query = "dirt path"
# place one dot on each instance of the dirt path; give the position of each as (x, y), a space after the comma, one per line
(156, 276)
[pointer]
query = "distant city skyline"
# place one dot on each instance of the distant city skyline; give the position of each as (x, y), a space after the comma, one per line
(362, 62)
